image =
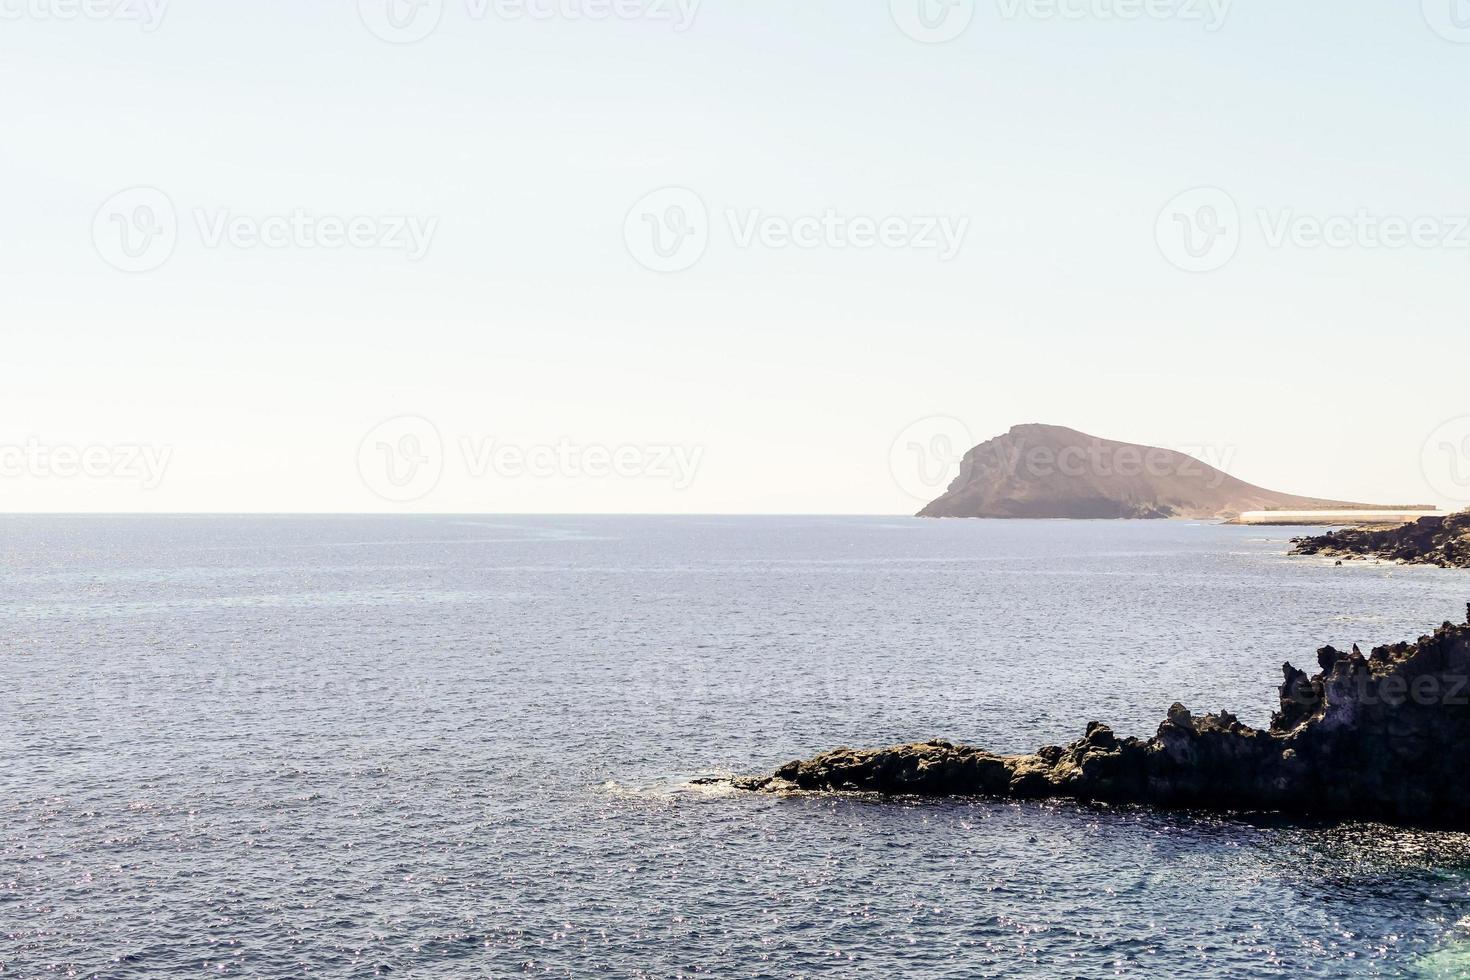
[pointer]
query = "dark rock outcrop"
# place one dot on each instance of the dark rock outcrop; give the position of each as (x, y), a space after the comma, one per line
(1442, 541)
(1373, 737)
(1050, 471)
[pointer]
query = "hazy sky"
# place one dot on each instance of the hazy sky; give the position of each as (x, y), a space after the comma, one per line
(369, 275)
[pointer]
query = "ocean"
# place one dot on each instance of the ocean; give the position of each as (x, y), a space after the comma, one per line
(463, 746)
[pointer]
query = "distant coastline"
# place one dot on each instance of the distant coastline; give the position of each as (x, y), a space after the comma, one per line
(1334, 518)
(1438, 540)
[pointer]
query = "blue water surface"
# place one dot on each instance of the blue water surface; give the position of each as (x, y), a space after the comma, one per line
(451, 747)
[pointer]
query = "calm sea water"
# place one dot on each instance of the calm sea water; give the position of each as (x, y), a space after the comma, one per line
(449, 747)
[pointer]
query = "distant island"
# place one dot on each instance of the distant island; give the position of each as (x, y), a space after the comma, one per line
(1050, 471)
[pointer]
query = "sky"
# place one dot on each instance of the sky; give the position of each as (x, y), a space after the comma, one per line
(662, 256)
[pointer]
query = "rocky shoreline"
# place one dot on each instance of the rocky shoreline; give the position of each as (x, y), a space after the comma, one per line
(1373, 737)
(1442, 541)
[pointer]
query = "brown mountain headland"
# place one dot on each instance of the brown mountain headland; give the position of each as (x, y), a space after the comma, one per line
(1050, 471)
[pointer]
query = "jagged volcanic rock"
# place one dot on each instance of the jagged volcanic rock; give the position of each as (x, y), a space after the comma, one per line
(1442, 541)
(1049, 471)
(1374, 737)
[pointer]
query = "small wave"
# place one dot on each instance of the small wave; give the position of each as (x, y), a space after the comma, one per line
(712, 785)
